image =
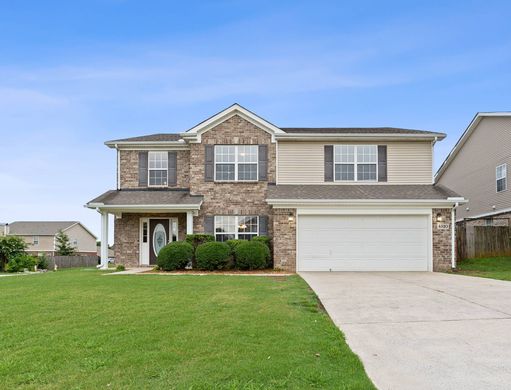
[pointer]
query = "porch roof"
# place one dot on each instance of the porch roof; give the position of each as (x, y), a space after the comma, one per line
(144, 199)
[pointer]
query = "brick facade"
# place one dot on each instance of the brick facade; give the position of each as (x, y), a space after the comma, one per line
(127, 235)
(442, 241)
(128, 160)
(284, 240)
(235, 198)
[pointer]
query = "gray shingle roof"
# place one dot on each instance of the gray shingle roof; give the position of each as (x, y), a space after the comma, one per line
(364, 191)
(161, 137)
(38, 228)
(147, 197)
(354, 130)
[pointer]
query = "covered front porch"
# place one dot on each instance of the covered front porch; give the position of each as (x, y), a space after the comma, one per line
(145, 221)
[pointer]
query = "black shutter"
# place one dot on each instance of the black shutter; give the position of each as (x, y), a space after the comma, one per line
(263, 162)
(172, 167)
(382, 162)
(329, 162)
(142, 168)
(209, 224)
(263, 225)
(209, 162)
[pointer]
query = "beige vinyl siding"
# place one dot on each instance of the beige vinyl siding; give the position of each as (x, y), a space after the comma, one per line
(45, 243)
(303, 162)
(86, 241)
(472, 172)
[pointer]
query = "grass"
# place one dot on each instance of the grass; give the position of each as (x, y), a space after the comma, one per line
(78, 329)
(491, 267)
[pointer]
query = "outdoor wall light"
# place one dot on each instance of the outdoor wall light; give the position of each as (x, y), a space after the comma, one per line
(440, 218)
(291, 218)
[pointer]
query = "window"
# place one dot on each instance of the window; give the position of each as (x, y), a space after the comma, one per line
(355, 162)
(236, 162)
(75, 243)
(35, 240)
(230, 227)
(501, 175)
(158, 168)
(144, 232)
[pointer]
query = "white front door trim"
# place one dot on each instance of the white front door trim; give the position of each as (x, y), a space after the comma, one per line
(144, 247)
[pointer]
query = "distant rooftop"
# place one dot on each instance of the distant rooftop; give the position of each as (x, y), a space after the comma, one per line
(39, 228)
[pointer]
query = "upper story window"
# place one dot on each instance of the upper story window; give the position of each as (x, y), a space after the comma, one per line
(158, 168)
(501, 177)
(355, 162)
(236, 162)
(35, 240)
(230, 227)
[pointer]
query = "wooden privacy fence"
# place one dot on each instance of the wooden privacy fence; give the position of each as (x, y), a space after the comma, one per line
(72, 261)
(482, 241)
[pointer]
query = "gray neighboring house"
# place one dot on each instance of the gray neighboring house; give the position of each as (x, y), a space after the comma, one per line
(478, 166)
(40, 236)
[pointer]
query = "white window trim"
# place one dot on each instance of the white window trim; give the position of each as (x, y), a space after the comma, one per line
(355, 163)
(236, 219)
(35, 240)
(497, 178)
(155, 169)
(235, 162)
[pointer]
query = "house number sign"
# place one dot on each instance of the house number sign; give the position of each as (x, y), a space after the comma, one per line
(443, 226)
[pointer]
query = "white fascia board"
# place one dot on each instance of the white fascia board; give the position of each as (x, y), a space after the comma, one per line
(464, 137)
(490, 214)
(194, 134)
(295, 203)
(357, 137)
(149, 145)
(143, 207)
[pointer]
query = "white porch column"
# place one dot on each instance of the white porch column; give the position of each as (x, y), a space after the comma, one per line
(104, 240)
(189, 222)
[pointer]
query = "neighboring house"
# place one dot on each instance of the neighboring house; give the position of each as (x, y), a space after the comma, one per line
(3, 229)
(40, 236)
(477, 167)
(340, 199)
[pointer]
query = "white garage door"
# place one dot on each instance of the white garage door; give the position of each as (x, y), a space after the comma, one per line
(363, 243)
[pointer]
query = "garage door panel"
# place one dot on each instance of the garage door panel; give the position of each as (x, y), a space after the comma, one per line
(363, 243)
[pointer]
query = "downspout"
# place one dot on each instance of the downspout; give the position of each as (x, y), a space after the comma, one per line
(118, 168)
(453, 236)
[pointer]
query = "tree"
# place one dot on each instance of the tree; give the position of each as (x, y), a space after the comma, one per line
(10, 246)
(62, 245)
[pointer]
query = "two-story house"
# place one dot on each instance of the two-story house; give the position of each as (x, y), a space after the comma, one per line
(40, 236)
(477, 167)
(339, 199)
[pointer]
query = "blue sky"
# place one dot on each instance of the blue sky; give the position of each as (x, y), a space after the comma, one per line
(74, 74)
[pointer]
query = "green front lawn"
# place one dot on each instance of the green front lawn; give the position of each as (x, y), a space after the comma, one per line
(80, 329)
(492, 267)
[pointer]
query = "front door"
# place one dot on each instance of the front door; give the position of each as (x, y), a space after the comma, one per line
(159, 236)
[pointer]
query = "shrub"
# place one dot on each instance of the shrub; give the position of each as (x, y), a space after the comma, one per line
(233, 244)
(20, 262)
(262, 239)
(10, 247)
(251, 255)
(213, 255)
(120, 268)
(42, 262)
(266, 241)
(175, 255)
(197, 239)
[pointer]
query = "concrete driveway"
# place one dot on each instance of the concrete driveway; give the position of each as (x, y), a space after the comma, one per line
(422, 330)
